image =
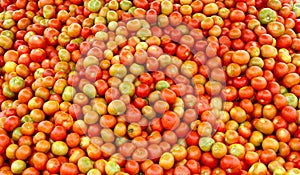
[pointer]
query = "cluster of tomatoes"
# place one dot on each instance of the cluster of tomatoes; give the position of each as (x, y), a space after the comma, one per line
(156, 87)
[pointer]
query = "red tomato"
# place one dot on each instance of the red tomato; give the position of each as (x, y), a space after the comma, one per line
(289, 114)
(69, 169)
(4, 142)
(170, 120)
(154, 169)
(37, 41)
(143, 90)
(231, 164)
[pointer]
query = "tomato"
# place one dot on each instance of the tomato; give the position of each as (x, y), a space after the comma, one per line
(170, 120)
(143, 90)
(5, 141)
(37, 41)
(132, 167)
(182, 170)
(208, 160)
(183, 52)
(166, 161)
(289, 114)
(133, 114)
(231, 164)
(68, 168)
(39, 160)
(53, 165)
(140, 154)
(154, 169)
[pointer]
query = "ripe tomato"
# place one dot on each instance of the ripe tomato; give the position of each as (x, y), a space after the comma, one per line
(37, 41)
(143, 90)
(231, 164)
(170, 120)
(68, 169)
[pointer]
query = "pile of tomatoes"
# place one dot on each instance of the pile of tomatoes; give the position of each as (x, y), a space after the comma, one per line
(157, 87)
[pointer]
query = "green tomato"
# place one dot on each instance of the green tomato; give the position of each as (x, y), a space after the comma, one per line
(292, 99)
(16, 134)
(162, 84)
(237, 150)
(90, 60)
(94, 171)
(89, 90)
(129, 78)
(267, 15)
(16, 84)
(144, 33)
(84, 164)
(136, 69)
(118, 70)
(111, 168)
(164, 60)
(59, 148)
(283, 90)
(205, 143)
(256, 61)
(125, 5)
(44, 22)
(26, 118)
(69, 93)
(102, 36)
(279, 171)
(163, 20)
(94, 5)
(131, 10)
(112, 16)
(77, 41)
(127, 88)
(120, 141)
(64, 55)
(18, 166)
(148, 112)
(166, 7)
(116, 107)
(8, 33)
(39, 73)
(7, 92)
(296, 9)
(8, 23)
